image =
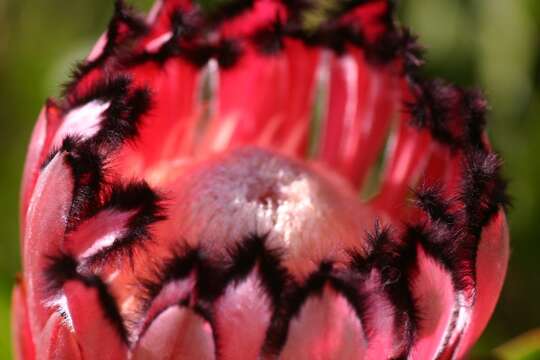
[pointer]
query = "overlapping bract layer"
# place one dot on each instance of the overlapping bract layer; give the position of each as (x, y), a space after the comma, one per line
(170, 208)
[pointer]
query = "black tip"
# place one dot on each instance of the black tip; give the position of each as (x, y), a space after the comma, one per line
(430, 199)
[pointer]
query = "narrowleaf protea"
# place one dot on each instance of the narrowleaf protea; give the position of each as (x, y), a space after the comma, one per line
(195, 194)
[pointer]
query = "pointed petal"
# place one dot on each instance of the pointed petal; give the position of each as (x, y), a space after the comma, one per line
(23, 341)
(57, 341)
(302, 62)
(97, 334)
(44, 130)
(160, 14)
(406, 160)
(49, 209)
(382, 343)
(170, 295)
(491, 266)
(363, 101)
(437, 305)
(378, 99)
(176, 334)
(37, 142)
(242, 316)
(326, 328)
(167, 131)
(340, 106)
(252, 95)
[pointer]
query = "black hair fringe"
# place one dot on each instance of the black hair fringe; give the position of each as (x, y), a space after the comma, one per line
(124, 16)
(149, 209)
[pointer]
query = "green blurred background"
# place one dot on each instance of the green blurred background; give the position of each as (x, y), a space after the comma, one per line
(491, 43)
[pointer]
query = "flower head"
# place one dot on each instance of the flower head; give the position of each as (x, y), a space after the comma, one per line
(195, 193)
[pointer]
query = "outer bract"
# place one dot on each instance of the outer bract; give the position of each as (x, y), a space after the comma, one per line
(195, 194)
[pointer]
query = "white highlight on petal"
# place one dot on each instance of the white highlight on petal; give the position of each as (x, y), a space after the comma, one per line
(403, 163)
(104, 242)
(98, 232)
(436, 300)
(374, 93)
(154, 45)
(225, 132)
(61, 305)
(112, 277)
(128, 304)
(98, 48)
(154, 12)
(463, 319)
(351, 76)
(83, 121)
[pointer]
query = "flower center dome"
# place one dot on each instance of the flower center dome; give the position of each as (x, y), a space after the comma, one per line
(303, 210)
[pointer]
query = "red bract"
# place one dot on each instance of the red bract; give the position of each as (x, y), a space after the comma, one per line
(172, 207)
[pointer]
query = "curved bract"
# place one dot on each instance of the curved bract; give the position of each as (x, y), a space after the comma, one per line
(172, 207)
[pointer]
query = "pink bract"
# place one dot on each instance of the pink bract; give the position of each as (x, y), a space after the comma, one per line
(195, 193)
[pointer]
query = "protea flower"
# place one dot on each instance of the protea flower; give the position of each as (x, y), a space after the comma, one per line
(173, 207)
